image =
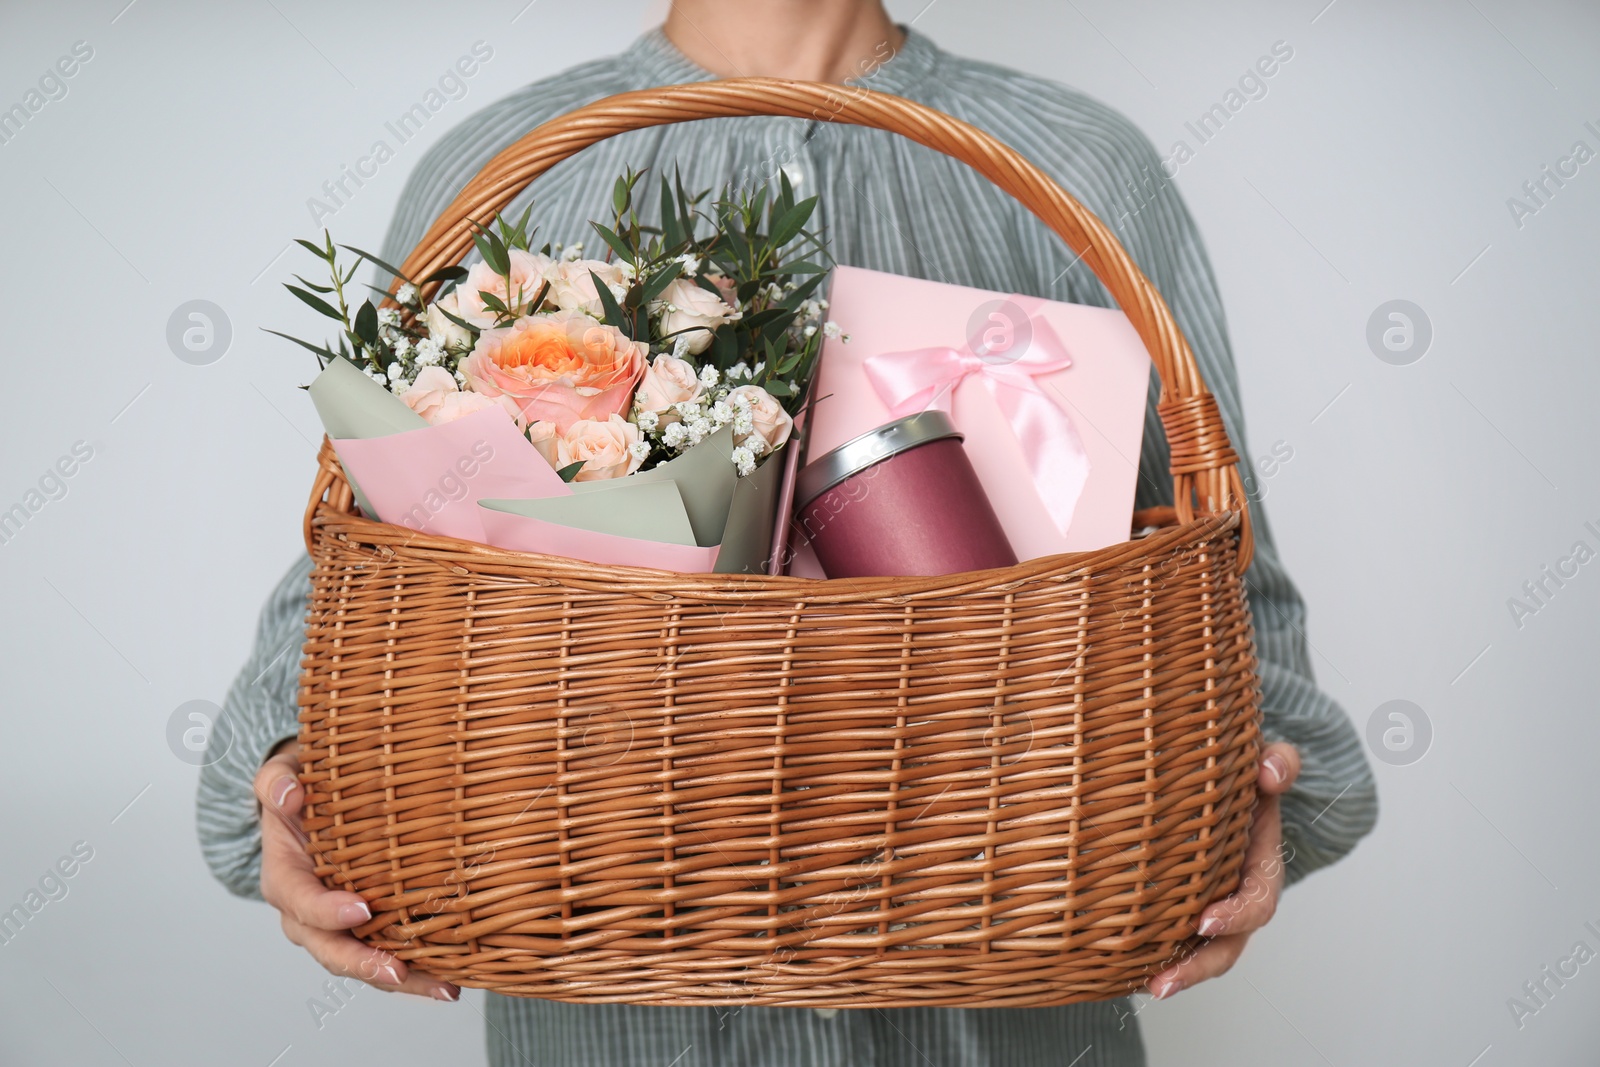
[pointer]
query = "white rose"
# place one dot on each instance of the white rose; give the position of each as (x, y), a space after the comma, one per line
(572, 287)
(448, 334)
(687, 307)
(768, 420)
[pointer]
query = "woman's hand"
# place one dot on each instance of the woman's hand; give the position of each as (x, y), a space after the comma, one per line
(315, 917)
(1228, 923)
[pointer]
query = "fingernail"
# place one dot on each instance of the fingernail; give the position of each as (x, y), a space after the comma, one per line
(448, 993)
(351, 914)
(388, 973)
(1276, 765)
(1210, 926)
(1168, 989)
(281, 789)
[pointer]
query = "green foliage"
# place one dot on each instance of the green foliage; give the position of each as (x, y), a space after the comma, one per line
(757, 244)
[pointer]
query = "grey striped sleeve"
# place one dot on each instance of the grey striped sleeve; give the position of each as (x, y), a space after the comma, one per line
(260, 710)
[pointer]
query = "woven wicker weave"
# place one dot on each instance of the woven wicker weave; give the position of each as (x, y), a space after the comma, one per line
(1002, 788)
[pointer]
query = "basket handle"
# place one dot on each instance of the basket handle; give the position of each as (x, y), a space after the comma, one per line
(1205, 475)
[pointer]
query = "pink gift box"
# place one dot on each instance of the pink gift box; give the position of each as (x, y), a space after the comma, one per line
(1089, 397)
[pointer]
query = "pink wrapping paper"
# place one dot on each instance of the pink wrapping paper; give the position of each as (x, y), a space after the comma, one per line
(432, 479)
(1103, 392)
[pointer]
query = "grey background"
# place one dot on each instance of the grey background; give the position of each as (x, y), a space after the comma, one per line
(1418, 498)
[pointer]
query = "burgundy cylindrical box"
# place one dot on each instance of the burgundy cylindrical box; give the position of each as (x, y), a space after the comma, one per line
(900, 500)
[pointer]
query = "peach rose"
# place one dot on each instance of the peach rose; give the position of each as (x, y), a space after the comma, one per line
(769, 421)
(669, 381)
(687, 307)
(435, 397)
(529, 272)
(605, 448)
(572, 287)
(559, 367)
(727, 287)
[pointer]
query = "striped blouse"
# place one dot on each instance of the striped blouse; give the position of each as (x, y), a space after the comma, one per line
(889, 205)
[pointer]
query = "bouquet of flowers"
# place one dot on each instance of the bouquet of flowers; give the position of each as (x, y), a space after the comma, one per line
(704, 325)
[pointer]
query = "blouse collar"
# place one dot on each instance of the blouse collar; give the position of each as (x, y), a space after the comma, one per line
(653, 60)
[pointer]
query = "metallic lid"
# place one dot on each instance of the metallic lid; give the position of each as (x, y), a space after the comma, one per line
(874, 446)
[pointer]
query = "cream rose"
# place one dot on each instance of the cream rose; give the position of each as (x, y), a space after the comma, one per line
(687, 307)
(605, 448)
(668, 381)
(435, 397)
(544, 437)
(528, 272)
(560, 367)
(768, 419)
(572, 286)
(440, 328)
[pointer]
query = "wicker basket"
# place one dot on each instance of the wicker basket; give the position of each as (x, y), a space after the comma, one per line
(1002, 788)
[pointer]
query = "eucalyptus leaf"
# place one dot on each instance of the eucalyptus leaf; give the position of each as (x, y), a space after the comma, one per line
(445, 274)
(320, 350)
(370, 258)
(659, 281)
(316, 303)
(614, 315)
(571, 470)
(788, 227)
(671, 232)
(618, 245)
(313, 286)
(367, 323)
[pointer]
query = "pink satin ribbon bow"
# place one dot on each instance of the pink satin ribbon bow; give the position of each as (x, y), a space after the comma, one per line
(923, 378)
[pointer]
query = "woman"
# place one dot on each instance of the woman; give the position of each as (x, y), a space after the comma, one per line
(890, 205)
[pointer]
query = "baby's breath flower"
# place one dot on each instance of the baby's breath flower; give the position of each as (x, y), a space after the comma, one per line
(674, 435)
(811, 331)
(388, 317)
(833, 330)
(740, 370)
(691, 264)
(744, 460)
(680, 346)
(709, 376)
(639, 449)
(648, 421)
(721, 412)
(406, 294)
(572, 252)
(396, 371)
(430, 353)
(699, 430)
